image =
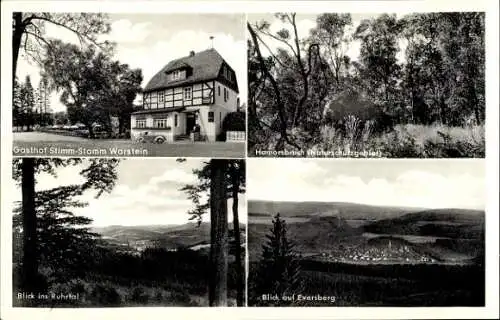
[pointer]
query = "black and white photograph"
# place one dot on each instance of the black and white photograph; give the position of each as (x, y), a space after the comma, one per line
(114, 85)
(95, 232)
(283, 159)
(377, 85)
(400, 233)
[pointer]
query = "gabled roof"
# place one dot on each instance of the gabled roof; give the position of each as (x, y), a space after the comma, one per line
(205, 65)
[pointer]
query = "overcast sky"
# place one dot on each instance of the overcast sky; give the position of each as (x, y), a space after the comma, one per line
(146, 193)
(306, 22)
(409, 183)
(150, 41)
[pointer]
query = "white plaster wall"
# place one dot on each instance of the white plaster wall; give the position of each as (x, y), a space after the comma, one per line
(231, 102)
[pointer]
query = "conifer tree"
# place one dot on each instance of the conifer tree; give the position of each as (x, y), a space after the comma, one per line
(27, 100)
(64, 241)
(279, 269)
(235, 184)
(100, 175)
(16, 104)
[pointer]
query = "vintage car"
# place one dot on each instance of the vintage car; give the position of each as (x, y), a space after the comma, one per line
(151, 138)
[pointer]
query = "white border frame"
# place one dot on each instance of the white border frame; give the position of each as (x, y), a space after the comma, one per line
(491, 8)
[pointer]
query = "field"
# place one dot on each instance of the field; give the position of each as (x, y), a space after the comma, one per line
(392, 257)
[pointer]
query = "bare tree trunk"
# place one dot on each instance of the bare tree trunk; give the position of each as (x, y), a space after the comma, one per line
(17, 34)
(240, 288)
(217, 293)
(30, 256)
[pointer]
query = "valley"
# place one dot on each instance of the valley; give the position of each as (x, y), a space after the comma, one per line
(348, 249)
(136, 239)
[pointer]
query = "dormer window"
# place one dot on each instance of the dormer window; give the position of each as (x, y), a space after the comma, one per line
(226, 72)
(176, 75)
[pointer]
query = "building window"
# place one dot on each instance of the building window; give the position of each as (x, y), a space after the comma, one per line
(227, 73)
(220, 119)
(160, 123)
(218, 87)
(175, 121)
(176, 75)
(225, 95)
(161, 97)
(187, 94)
(211, 116)
(140, 123)
(147, 101)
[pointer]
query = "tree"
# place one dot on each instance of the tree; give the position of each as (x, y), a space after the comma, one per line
(16, 105)
(99, 175)
(42, 108)
(217, 294)
(445, 69)
(124, 85)
(235, 184)
(379, 69)
(64, 243)
(27, 103)
(299, 60)
(331, 33)
(28, 32)
(93, 86)
(279, 269)
(237, 173)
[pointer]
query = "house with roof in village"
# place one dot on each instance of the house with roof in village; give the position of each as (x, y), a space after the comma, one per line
(187, 99)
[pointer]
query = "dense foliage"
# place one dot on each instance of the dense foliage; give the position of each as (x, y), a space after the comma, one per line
(424, 69)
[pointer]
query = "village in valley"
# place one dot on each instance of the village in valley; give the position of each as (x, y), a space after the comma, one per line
(396, 252)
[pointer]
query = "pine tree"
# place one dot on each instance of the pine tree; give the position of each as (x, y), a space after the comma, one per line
(16, 105)
(100, 175)
(27, 96)
(235, 184)
(279, 269)
(43, 88)
(217, 284)
(64, 241)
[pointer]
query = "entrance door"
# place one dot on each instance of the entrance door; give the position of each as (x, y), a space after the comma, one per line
(190, 122)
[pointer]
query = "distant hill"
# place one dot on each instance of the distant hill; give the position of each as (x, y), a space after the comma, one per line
(345, 210)
(168, 236)
(448, 223)
(317, 227)
(315, 235)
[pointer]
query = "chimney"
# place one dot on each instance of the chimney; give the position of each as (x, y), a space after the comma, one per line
(191, 53)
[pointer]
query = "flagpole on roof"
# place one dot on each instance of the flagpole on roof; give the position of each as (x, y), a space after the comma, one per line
(212, 42)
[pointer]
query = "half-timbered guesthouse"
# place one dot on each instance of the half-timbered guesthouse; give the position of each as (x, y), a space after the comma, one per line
(187, 99)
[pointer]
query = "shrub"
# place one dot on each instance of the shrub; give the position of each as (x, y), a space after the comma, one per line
(448, 148)
(234, 121)
(139, 295)
(105, 296)
(401, 147)
(181, 297)
(159, 296)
